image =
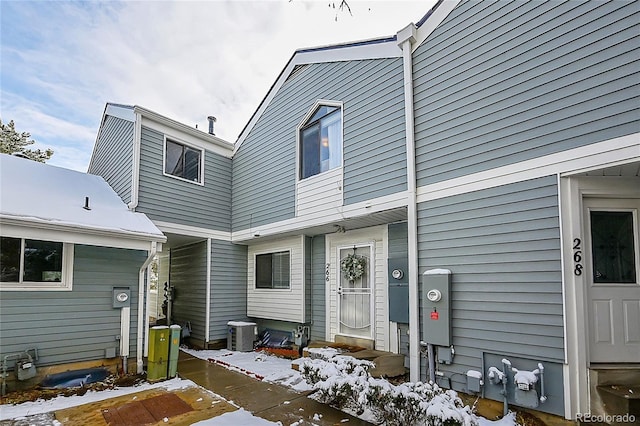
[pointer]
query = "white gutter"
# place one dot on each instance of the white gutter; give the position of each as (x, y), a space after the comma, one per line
(135, 170)
(406, 37)
(207, 316)
(142, 313)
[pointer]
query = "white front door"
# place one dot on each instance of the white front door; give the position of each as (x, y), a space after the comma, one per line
(355, 291)
(612, 270)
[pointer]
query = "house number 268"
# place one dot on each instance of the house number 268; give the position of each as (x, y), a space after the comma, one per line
(577, 256)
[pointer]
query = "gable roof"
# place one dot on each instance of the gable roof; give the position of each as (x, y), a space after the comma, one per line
(42, 196)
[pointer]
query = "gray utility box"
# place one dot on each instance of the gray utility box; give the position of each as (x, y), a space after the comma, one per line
(241, 335)
(398, 290)
(436, 305)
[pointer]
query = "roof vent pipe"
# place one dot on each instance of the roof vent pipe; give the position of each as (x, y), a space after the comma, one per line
(86, 203)
(212, 120)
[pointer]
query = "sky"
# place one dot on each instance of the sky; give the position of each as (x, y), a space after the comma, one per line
(62, 61)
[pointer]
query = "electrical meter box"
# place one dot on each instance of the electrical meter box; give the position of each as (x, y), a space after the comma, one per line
(121, 297)
(436, 307)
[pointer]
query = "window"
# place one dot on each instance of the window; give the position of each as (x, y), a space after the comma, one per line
(33, 263)
(183, 161)
(272, 270)
(613, 248)
(321, 141)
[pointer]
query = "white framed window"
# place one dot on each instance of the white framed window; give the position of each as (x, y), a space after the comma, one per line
(183, 161)
(320, 139)
(273, 270)
(35, 264)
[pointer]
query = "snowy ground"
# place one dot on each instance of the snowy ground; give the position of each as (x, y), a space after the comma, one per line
(262, 366)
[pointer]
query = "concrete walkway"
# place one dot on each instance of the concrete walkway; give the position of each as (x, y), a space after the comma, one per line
(267, 400)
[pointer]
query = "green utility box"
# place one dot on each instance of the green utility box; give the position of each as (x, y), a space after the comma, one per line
(158, 350)
(174, 349)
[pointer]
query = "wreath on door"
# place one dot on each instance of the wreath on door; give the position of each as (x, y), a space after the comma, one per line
(353, 266)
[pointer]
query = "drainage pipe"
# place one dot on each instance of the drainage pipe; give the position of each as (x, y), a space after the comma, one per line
(142, 314)
(406, 37)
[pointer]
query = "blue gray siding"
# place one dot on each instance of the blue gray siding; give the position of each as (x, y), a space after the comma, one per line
(228, 286)
(264, 168)
(77, 325)
(501, 82)
(318, 289)
(164, 198)
(113, 155)
(503, 248)
(188, 274)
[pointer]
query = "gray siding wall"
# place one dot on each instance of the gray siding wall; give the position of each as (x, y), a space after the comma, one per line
(318, 289)
(165, 198)
(113, 155)
(77, 325)
(264, 168)
(188, 274)
(501, 82)
(228, 286)
(503, 248)
(398, 240)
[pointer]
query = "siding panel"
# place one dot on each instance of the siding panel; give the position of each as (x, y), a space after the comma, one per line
(113, 155)
(164, 198)
(502, 82)
(77, 325)
(188, 274)
(228, 286)
(506, 272)
(264, 168)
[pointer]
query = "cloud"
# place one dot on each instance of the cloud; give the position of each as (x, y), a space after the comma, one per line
(62, 61)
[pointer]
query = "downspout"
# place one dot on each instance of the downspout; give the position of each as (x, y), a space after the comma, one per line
(135, 170)
(405, 38)
(141, 305)
(207, 319)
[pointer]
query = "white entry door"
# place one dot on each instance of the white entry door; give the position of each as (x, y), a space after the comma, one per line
(612, 269)
(355, 291)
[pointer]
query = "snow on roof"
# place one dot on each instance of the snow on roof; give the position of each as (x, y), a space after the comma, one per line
(39, 193)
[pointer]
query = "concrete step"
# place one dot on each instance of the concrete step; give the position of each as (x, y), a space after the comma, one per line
(620, 400)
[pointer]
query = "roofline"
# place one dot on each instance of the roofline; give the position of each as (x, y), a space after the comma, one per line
(378, 48)
(45, 224)
(154, 116)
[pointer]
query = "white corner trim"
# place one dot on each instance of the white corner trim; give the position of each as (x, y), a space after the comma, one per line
(192, 231)
(432, 22)
(207, 309)
(616, 151)
(135, 167)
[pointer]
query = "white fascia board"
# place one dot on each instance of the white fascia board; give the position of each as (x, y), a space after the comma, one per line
(439, 14)
(364, 208)
(192, 231)
(172, 127)
(352, 52)
(124, 112)
(624, 149)
(40, 230)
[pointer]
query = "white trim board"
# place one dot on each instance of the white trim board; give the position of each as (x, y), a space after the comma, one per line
(364, 208)
(192, 231)
(437, 17)
(43, 230)
(616, 151)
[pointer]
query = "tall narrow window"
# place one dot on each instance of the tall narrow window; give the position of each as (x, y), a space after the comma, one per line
(273, 270)
(321, 141)
(182, 161)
